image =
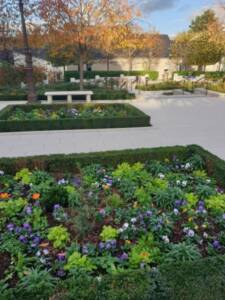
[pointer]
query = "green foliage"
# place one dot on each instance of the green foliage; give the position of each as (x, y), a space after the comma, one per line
(145, 251)
(114, 201)
(166, 198)
(74, 197)
(191, 199)
(56, 194)
(38, 284)
(108, 233)
(143, 196)
(78, 261)
(182, 252)
(24, 175)
(216, 203)
(59, 236)
(12, 207)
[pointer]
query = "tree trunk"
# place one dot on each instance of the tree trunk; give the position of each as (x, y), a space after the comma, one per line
(32, 96)
(107, 62)
(81, 69)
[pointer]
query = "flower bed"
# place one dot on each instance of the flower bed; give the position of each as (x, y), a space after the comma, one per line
(79, 116)
(121, 220)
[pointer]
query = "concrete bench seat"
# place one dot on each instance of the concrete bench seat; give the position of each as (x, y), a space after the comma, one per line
(69, 95)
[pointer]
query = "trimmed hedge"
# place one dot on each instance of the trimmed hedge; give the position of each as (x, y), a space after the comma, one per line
(153, 75)
(161, 86)
(70, 163)
(136, 119)
(208, 75)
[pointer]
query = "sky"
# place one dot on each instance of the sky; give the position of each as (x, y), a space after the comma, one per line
(171, 16)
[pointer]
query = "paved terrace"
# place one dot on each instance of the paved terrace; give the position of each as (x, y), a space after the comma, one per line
(177, 120)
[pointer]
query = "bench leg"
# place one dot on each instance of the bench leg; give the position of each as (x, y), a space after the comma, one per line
(88, 98)
(49, 97)
(69, 98)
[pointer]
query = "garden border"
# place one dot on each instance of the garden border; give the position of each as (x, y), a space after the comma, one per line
(138, 119)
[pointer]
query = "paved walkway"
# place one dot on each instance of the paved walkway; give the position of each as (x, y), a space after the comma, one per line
(176, 121)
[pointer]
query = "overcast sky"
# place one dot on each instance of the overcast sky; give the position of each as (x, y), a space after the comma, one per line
(171, 16)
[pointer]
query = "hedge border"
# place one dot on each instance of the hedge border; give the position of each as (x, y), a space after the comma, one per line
(70, 162)
(153, 75)
(137, 119)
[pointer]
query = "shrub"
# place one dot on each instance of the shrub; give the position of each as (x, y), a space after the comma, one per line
(182, 252)
(56, 194)
(108, 233)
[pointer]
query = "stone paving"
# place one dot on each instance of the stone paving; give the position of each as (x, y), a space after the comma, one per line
(176, 120)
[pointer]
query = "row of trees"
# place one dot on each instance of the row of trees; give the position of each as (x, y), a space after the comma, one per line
(203, 44)
(72, 30)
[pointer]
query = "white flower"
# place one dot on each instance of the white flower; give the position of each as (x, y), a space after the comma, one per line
(176, 211)
(161, 176)
(2, 173)
(185, 230)
(165, 239)
(205, 235)
(133, 220)
(120, 230)
(191, 233)
(178, 182)
(184, 183)
(208, 180)
(125, 226)
(187, 166)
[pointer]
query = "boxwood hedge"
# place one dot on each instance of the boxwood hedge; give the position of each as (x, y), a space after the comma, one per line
(153, 75)
(135, 118)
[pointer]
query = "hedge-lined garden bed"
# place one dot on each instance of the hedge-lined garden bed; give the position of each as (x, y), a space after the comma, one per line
(128, 225)
(74, 116)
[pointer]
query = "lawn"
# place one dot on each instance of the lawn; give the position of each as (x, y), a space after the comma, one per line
(112, 230)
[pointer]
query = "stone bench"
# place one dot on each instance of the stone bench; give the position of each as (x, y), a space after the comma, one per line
(69, 95)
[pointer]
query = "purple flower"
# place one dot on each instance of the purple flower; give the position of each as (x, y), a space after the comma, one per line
(62, 181)
(123, 256)
(108, 245)
(18, 230)
(85, 250)
(76, 181)
(27, 226)
(101, 246)
(178, 203)
(113, 243)
(61, 256)
(28, 210)
(22, 239)
(190, 233)
(148, 213)
(60, 273)
(224, 216)
(45, 251)
(102, 212)
(10, 227)
(216, 244)
(56, 206)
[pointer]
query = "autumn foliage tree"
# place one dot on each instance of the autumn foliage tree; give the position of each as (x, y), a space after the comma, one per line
(80, 23)
(203, 44)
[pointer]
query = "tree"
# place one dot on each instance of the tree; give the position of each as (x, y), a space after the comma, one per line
(203, 44)
(201, 23)
(32, 96)
(132, 42)
(80, 22)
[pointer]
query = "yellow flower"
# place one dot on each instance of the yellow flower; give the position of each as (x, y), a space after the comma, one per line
(128, 242)
(135, 205)
(190, 219)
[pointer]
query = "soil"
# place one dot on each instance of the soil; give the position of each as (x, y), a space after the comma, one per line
(5, 260)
